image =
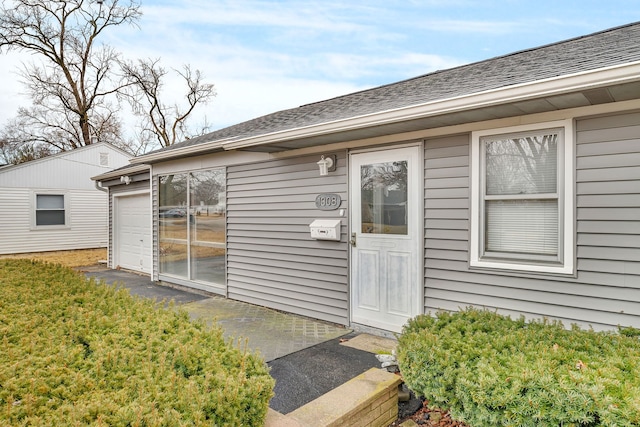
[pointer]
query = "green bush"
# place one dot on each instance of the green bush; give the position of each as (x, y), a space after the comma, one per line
(77, 352)
(490, 370)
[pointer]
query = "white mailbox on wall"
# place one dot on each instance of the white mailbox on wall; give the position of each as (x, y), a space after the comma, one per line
(325, 229)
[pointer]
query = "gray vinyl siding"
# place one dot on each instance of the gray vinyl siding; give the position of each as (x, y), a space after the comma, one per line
(117, 190)
(608, 210)
(606, 289)
(446, 218)
(271, 259)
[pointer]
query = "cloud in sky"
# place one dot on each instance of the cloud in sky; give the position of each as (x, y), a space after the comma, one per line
(267, 55)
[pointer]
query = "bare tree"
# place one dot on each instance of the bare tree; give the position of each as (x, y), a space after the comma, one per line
(165, 123)
(6, 151)
(72, 84)
(15, 151)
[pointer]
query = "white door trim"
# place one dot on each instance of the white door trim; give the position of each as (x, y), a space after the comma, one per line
(418, 214)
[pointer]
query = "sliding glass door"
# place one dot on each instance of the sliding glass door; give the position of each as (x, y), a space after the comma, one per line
(192, 218)
(172, 225)
(207, 225)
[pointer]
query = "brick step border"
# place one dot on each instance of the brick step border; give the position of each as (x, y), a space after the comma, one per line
(368, 400)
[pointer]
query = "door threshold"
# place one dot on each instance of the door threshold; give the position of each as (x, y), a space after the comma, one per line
(364, 329)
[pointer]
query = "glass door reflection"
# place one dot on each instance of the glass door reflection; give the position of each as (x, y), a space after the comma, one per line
(383, 192)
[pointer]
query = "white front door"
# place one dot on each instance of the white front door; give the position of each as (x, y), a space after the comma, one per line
(386, 230)
(132, 232)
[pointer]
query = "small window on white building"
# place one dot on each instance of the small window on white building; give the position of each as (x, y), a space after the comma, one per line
(522, 198)
(50, 210)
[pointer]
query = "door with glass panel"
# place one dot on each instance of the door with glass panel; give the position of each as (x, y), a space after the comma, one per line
(386, 285)
(191, 218)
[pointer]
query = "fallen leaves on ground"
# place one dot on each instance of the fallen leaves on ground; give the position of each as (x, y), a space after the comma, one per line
(430, 418)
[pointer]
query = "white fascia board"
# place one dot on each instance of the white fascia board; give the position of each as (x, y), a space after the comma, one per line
(178, 152)
(132, 170)
(548, 87)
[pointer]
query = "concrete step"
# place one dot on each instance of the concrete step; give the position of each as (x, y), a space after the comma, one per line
(368, 400)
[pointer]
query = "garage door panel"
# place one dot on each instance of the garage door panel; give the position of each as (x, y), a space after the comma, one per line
(132, 246)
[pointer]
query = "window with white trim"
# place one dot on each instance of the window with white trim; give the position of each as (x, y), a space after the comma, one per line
(522, 198)
(50, 210)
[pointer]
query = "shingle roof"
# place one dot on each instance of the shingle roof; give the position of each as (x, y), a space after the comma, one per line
(611, 47)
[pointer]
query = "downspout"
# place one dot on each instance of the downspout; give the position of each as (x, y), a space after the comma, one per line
(100, 187)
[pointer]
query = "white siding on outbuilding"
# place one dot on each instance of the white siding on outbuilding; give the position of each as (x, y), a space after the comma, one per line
(66, 174)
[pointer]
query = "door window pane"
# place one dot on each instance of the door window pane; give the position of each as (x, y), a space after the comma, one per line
(207, 225)
(172, 223)
(384, 198)
(192, 224)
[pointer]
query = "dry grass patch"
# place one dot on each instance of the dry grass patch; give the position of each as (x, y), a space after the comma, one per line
(74, 258)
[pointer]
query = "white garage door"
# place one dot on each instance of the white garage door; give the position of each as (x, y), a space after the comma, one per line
(132, 233)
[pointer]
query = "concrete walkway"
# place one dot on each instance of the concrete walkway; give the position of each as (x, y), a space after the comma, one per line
(271, 333)
(307, 358)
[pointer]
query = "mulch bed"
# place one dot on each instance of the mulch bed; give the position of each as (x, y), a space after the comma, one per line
(430, 418)
(416, 409)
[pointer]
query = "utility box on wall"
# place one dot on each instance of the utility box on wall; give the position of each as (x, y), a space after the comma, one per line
(325, 229)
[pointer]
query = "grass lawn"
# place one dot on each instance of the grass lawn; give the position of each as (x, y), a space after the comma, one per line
(77, 352)
(74, 258)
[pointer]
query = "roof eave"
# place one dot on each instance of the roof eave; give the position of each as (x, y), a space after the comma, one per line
(130, 170)
(179, 152)
(591, 79)
(555, 86)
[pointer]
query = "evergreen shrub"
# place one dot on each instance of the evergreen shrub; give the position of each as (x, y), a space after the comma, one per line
(490, 370)
(77, 352)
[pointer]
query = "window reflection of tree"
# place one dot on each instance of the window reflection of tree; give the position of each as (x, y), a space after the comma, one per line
(384, 197)
(206, 186)
(526, 165)
(521, 204)
(392, 176)
(197, 237)
(172, 194)
(207, 223)
(173, 190)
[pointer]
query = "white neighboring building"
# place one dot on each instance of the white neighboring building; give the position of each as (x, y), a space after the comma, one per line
(52, 204)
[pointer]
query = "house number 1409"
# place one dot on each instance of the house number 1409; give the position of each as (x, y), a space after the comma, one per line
(328, 201)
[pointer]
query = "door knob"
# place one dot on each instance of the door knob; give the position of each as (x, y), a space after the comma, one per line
(353, 239)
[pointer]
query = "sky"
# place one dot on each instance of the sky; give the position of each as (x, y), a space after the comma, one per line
(267, 55)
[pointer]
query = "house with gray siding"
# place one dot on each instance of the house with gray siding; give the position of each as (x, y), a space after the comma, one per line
(511, 184)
